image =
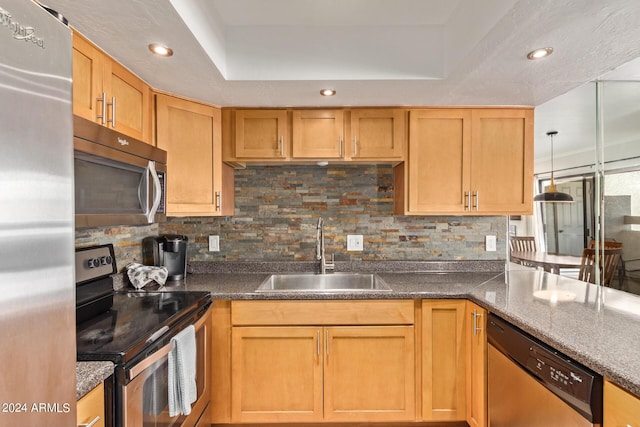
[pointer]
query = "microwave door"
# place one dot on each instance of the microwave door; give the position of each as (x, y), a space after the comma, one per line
(110, 192)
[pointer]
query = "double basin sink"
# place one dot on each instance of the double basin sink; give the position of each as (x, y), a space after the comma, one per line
(332, 282)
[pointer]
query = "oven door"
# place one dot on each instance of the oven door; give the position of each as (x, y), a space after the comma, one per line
(144, 400)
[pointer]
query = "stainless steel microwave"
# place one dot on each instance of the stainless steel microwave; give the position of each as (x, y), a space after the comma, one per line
(118, 179)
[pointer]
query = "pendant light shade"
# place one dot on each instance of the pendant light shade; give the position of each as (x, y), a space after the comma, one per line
(552, 194)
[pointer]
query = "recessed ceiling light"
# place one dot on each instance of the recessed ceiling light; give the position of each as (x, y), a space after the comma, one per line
(327, 92)
(160, 50)
(540, 53)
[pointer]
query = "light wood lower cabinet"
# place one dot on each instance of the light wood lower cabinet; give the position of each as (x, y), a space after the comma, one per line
(322, 372)
(621, 408)
(90, 406)
(444, 350)
(277, 374)
(476, 366)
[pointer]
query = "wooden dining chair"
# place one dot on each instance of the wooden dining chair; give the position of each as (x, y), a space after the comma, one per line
(608, 244)
(522, 244)
(608, 264)
(612, 244)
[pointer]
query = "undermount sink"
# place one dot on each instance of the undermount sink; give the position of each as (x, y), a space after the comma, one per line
(332, 282)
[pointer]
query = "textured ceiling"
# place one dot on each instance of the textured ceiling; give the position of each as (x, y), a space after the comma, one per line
(278, 53)
(479, 55)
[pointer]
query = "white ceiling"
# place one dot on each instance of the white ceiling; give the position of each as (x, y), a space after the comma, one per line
(276, 53)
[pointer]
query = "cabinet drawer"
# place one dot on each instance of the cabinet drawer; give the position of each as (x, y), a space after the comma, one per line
(378, 312)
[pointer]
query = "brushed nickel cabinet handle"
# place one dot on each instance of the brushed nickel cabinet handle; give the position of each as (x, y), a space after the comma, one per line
(341, 147)
(92, 423)
(281, 145)
(477, 198)
(327, 341)
(218, 197)
(104, 108)
(113, 112)
(476, 315)
(467, 197)
(355, 146)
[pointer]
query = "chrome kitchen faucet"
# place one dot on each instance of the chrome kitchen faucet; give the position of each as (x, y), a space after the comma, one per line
(320, 255)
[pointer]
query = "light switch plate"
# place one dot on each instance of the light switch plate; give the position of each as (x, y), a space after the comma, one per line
(490, 243)
(355, 242)
(214, 243)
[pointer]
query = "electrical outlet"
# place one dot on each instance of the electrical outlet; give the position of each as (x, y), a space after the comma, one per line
(355, 242)
(214, 243)
(490, 243)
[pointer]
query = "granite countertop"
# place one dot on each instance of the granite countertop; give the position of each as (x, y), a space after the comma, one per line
(89, 375)
(598, 327)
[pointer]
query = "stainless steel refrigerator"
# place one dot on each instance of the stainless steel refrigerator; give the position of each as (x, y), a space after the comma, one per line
(37, 294)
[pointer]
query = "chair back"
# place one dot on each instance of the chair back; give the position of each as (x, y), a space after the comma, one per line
(608, 244)
(522, 244)
(608, 264)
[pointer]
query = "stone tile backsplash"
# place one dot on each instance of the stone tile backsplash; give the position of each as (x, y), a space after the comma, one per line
(277, 208)
(126, 240)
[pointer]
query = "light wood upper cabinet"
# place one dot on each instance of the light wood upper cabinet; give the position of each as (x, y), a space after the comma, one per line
(90, 406)
(621, 408)
(107, 93)
(198, 183)
(468, 161)
(439, 160)
(376, 134)
(261, 134)
(318, 134)
(476, 366)
(443, 360)
(502, 161)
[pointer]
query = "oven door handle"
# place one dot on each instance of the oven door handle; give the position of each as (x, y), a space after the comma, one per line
(140, 367)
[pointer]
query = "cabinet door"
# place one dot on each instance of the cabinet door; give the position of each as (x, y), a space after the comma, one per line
(128, 101)
(318, 134)
(476, 366)
(502, 161)
(87, 80)
(439, 158)
(190, 133)
(621, 408)
(90, 406)
(261, 134)
(277, 374)
(443, 360)
(377, 134)
(369, 374)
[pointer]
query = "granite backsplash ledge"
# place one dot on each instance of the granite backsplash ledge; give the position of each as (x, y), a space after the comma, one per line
(225, 267)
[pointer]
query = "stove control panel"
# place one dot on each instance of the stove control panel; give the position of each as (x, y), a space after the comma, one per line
(95, 262)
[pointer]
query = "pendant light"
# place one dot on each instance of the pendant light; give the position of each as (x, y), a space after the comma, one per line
(552, 194)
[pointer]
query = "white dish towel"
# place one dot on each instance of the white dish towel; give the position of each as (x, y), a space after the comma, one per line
(182, 372)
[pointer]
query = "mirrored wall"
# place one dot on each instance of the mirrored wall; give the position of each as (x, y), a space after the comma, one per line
(597, 161)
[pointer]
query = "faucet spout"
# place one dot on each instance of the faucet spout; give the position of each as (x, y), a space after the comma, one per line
(320, 254)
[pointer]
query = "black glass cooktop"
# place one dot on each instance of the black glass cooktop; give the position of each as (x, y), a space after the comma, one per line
(119, 333)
